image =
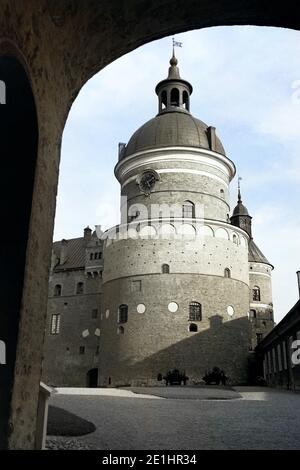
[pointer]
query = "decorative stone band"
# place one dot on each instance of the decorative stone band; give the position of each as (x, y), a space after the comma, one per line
(179, 228)
(260, 274)
(193, 157)
(260, 305)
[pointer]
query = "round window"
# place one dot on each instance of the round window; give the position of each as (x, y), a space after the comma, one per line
(141, 308)
(173, 307)
(230, 310)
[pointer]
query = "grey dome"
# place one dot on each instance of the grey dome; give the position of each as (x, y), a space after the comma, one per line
(173, 128)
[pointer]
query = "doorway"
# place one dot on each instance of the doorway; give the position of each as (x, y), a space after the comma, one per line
(92, 378)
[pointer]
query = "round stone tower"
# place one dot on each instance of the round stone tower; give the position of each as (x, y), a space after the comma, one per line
(176, 274)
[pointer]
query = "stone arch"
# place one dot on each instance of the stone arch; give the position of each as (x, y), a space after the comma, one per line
(148, 231)
(186, 231)
(167, 231)
(89, 32)
(206, 231)
(222, 233)
(19, 150)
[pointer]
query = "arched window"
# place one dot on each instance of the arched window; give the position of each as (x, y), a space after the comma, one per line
(195, 311)
(175, 97)
(57, 290)
(235, 239)
(188, 210)
(120, 330)
(185, 100)
(256, 293)
(227, 273)
(222, 193)
(164, 99)
(165, 269)
(193, 327)
(123, 314)
(79, 288)
(252, 313)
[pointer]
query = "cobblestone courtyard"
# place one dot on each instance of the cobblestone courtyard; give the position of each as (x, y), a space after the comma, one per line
(181, 418)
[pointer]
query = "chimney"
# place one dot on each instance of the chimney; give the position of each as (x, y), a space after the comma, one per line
(122, 147)
(63, 251)
(87, 234)
(298, 277)
(211, 133)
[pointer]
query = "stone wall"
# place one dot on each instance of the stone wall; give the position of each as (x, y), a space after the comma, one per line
(157, 340)
(63, 364)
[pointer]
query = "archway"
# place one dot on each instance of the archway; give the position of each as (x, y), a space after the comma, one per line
(92, 378)
(19, 141)
(69, 43)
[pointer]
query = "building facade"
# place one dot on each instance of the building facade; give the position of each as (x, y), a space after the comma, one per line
(278, 354)
(184, 285)
(72, 337)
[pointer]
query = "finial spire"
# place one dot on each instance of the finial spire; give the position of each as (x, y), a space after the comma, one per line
(173, 60)
(239, 189)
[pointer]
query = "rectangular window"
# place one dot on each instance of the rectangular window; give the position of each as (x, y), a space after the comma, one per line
(97, 350)
(94, 313)
(81, 349)
(195, 311)
(79, 288)
(55, 324)
(279, 357)
(136, 286)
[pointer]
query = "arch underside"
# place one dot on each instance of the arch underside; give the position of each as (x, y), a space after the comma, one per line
(63, 44)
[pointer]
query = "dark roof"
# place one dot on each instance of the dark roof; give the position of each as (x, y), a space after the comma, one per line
(240, 209)
(255, 255)
(289, 322)
(176, 128)
(75, 254)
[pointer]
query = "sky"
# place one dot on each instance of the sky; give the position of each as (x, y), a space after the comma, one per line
(247, 84)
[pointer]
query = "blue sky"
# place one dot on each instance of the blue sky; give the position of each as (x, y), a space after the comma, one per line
(247, 84)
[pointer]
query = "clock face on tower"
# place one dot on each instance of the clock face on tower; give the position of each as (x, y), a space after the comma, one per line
(147, 180)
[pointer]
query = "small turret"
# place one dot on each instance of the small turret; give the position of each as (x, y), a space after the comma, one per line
(240, 216)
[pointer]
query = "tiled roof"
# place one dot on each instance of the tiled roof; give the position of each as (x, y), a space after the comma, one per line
(75, 254)
(255, 255)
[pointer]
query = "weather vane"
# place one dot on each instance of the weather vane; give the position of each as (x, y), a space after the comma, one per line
(239, 182)
(176, 43)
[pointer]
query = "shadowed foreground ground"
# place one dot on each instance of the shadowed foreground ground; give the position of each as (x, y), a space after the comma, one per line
(259, 418)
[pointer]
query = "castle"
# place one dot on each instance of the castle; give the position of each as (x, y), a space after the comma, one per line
(179, 283)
